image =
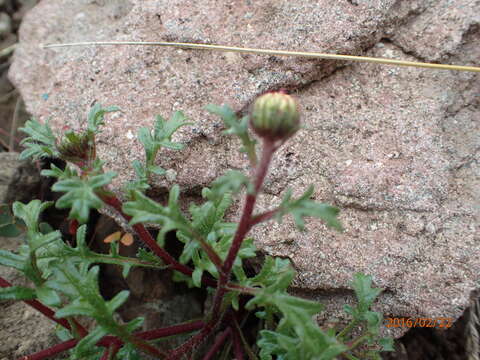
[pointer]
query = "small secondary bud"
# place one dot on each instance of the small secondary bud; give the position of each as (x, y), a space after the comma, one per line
(77, 147)
(275, 116)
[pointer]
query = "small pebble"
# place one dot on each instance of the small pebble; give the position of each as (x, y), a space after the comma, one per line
(171, 175)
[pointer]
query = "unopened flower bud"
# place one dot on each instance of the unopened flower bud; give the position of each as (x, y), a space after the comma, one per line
(77, 147)
(275, 116)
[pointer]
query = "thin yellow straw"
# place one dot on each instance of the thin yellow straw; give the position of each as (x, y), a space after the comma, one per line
(277, 53)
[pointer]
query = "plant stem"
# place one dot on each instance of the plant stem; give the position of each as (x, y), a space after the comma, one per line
(170, 330)
(152, 244)
(73, 227)
(219, 341)
(45, 310)
(244, 226)
(270, 52)
(209, 250)
(245, 221)
(56, 349)
(246, 346)
(146, 347)
(358, 341)
(115, 342)
(237, 343)
(347, 329)
(267, 215)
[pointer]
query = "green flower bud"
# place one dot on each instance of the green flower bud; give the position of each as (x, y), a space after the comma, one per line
(275, 116)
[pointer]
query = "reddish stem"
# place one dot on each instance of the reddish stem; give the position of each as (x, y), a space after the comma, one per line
(237, 343)
(244, 226)
(150, 349)
(152, 244)
(45, 310)
(73, 227)
(245, 221)
(267, 215)
(116, 343)
(56, 349)
(217, 345)
(170, 330)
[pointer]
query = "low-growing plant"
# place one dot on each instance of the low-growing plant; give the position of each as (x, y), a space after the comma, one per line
(65, 277)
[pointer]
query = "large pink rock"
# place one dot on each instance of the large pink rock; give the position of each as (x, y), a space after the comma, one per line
(395, 148)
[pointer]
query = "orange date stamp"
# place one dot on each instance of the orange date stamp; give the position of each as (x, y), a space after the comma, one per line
(440, 322)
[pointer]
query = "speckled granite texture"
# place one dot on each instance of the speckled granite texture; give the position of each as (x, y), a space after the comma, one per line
(395, 148)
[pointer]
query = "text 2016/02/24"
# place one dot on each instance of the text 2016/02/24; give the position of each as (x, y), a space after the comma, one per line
(441, 322)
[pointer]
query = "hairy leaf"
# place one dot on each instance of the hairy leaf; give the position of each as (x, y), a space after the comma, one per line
(17, 293)
(235, 127)
(30, 213)
(232, 182)
(40, 143)
(60, 174)
(96, 116)
(303, 207)
(81, 194)
(161, 136)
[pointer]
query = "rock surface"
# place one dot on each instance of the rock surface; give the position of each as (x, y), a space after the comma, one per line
(25, 328)
(395, 148)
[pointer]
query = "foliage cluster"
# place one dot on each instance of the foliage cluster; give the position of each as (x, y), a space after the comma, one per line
(64, 277)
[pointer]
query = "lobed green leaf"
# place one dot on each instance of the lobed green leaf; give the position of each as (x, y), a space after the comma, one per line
(96, 116)
(17, 293)
(303, 207)
(30, 213)
(235, 127)
(40, 143)
(80, 194)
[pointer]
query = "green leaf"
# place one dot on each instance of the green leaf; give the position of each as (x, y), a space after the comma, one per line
(17, 293)
(231, 182)
(303, 207)
(134, 324)
(161, 136)
(96, 116)
(118, 300)
(76, 308)
(163, 130)
(30, 212)
(148, 256)
(197, 276)
(40, 143)
(366, 295)
(141, 182)
(45, 228)
(48, 296)
(235, 127)
(386, 344)
(81, 194)
(6, 217)
(9, 226)
(59, 173)
(143, 209)
(157, 170)
(374, 320)
(10, 230)
(85, 345)
(12, 260)
(129, 352)
(297, 335)
(272, 270)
